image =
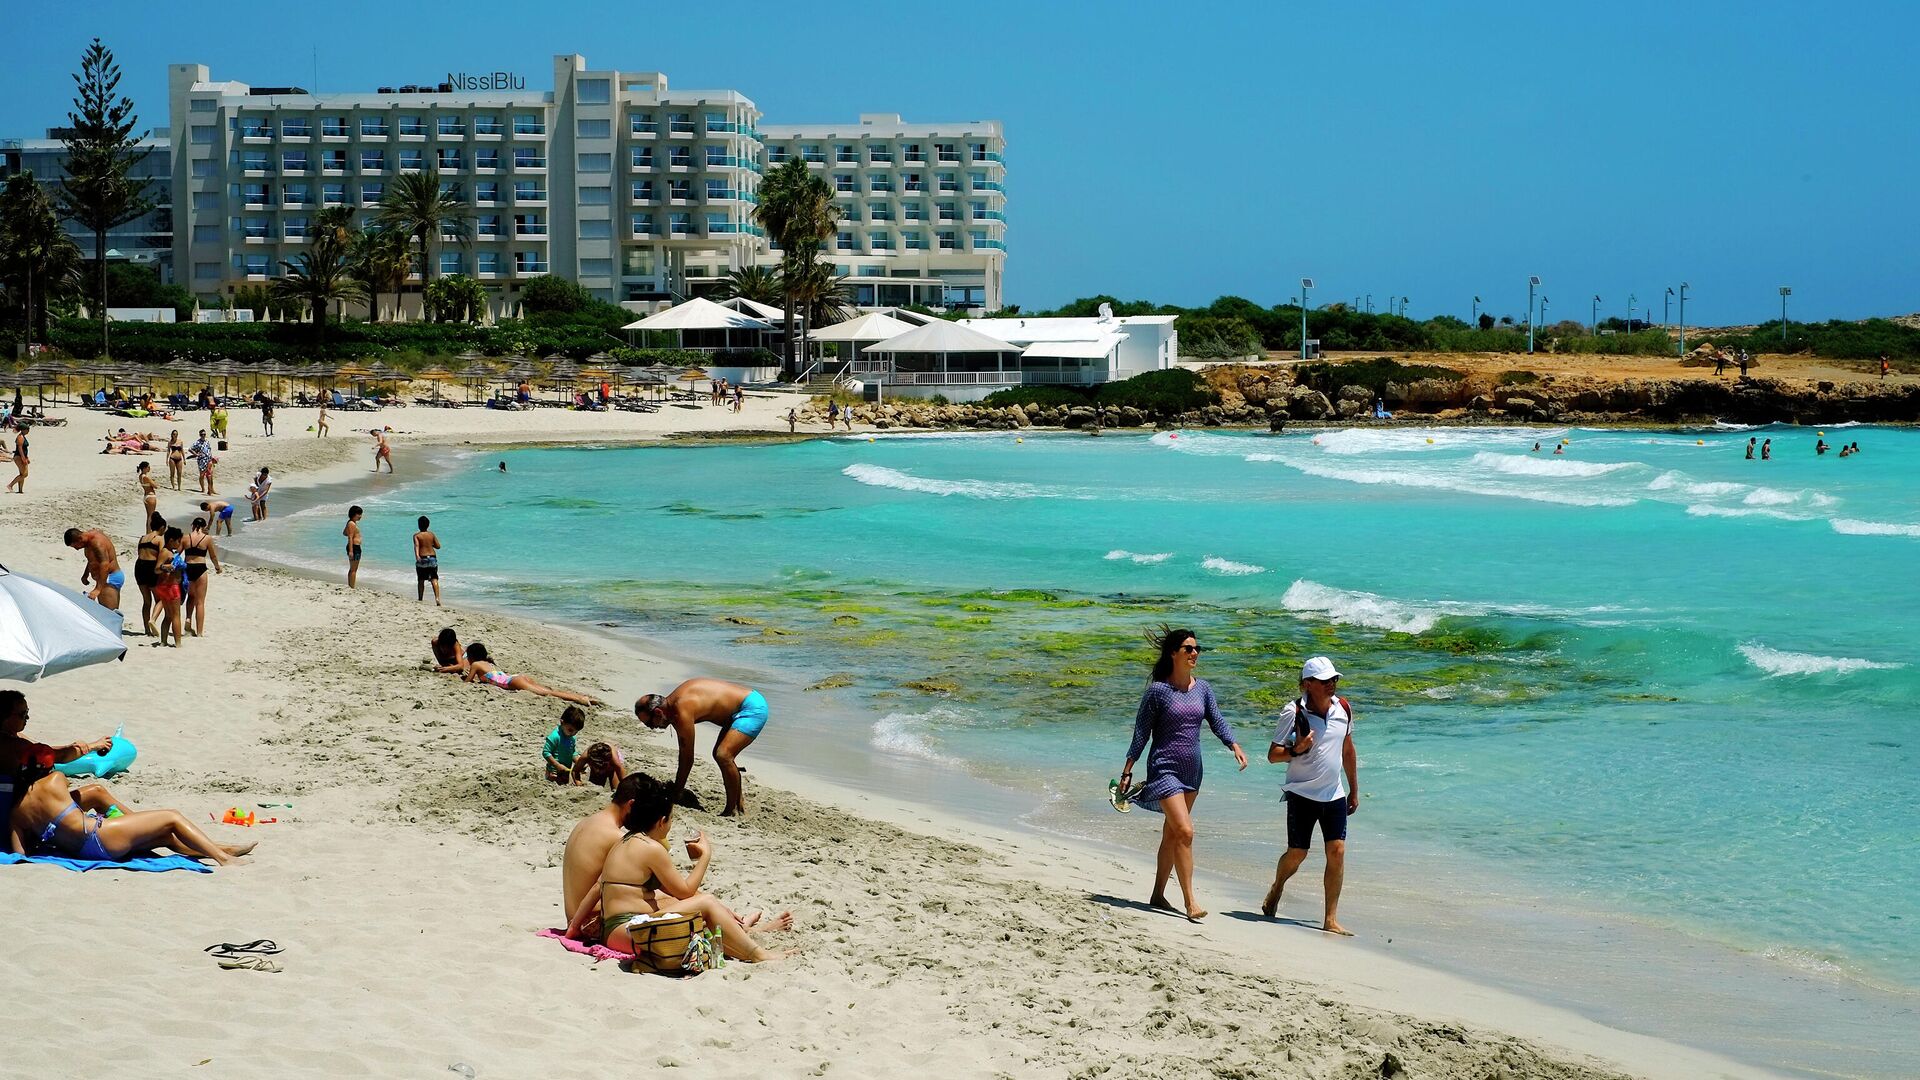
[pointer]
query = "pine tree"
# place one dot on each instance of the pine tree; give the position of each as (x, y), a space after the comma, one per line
(99, 190)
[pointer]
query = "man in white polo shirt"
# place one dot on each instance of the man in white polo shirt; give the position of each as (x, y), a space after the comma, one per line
(1315, 739)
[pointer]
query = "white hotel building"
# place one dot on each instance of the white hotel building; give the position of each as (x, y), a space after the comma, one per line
(637, 192)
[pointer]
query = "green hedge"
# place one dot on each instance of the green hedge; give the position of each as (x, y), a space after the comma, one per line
(1043, 396)
(1173, 390)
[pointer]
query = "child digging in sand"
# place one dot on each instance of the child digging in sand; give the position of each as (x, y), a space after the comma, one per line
(558, 752)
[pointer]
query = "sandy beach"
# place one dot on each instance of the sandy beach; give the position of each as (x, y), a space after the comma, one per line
(421, 852)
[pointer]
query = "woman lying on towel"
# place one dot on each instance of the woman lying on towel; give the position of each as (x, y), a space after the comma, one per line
(640, 882)
(48, 818)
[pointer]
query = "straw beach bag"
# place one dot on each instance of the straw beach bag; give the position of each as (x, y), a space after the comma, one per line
(674, 944)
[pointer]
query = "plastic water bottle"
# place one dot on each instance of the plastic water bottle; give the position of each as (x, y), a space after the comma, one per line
(462, 1068)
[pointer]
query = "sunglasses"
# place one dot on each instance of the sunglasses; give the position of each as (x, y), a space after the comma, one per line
(1192, 649)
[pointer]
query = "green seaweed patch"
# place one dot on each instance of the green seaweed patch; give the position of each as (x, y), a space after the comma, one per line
(848, 607)
(976, 606)
(740, 620)
(845, 620)
(833, 682)
(1070, 684)
(874, 637)
(933, 685)
(970, 623)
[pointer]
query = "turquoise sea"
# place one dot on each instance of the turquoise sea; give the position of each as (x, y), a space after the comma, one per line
(1645, 691)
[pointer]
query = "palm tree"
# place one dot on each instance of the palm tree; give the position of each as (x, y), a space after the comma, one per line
(317, 278)
(38, 260)
(760, 284)
(822, 295)
(797, 211)
(378, 260)
(417, 207)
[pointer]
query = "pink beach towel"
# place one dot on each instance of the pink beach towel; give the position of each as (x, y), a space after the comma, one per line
(598, 952)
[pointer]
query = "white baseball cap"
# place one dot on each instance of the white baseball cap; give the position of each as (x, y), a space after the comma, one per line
(1318, 667)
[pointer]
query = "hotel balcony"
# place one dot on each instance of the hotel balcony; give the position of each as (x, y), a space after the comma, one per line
(989, 159)
(988, 245)
(724, 128)
(989, 215)
(536, 228)
(529, 165)
(256, 134)
(296, 134)
(990, 185)
(645, 129)
(488, 131)
(529, 131)
(530, 268)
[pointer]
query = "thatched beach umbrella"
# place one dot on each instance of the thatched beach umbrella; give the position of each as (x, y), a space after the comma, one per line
(436, 375)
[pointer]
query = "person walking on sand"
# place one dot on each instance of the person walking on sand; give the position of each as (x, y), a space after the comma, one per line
(320, 426)
(740, 712)
(176, 460)
(203, 460)
(1884, 367)
(146, 560)
(199, 549)
(352, 533)
(18, 485)
(793, 420)
(149, 491)
(262, 485)
(1171, 712)
(381, 451)
(169, 587)
(266, 415)
(426, 563)
(103, 566)
(1315, 740)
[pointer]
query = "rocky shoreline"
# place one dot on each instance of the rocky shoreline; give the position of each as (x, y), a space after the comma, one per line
(1272, 398)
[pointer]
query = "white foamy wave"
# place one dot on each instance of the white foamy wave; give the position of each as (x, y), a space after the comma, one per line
(1709, 510)
(1722, 425)
(1227, 566)
(1766, 496)
(1532, 465)
(1144, 560)
(1398, 440)
(881, 476)
(910, 734)
(1856, 527)
(1444, 481)
(1359, 608)
(1777, 662)
(1188, 442)
(1674, 480)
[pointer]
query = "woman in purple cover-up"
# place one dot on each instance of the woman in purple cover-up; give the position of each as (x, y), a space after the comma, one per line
(1171, 711)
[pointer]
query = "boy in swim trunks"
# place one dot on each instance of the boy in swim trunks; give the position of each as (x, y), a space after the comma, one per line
(103, 566)
(558, 751)
(219, 512)
(739, 711)
(426, 562)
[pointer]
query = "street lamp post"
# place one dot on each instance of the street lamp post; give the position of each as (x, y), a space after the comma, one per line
(1543, 310)
(1369, 303)
(1683, 318)
(1476, 311)
(1594, 318)
(1631, 300)
(1666, 309)
(1305, 284)
(1403, 307)
(1784, 293)
(1533, 283)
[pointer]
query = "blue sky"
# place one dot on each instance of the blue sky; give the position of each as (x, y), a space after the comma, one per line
(1179, 151)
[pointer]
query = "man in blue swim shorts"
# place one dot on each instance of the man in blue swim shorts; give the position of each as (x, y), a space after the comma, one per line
(739, 711)
(103, 566)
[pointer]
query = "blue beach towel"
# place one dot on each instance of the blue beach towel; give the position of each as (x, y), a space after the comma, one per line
(151, 864)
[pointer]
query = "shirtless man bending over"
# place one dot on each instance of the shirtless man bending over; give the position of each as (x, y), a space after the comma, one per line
(739, 711)
(588, 844)
(103, 566)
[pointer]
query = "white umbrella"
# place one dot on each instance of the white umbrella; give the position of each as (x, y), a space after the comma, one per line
(46, 629)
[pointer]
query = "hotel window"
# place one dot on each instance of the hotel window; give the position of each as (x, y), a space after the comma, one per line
(412, 160)
(486, 191)
(201, 105)
(254, 228)
(297, 127)
(979, 237)
(596, 267)
(205, 271)
(948, 240)
(878, 210)
(843, 181)
(594, 129)
(680, 190)
(294, 194)
(948, 182)
(679, 157)
(450, 189)
(529, 124)
(594, 91)
(452, 262)
(640, 157)
(206, 200)
(333, 127)
(529, 262)
(716, 121)
(486, 225)
(449, 159)
(717, 223)
(642, 123)
(680, 224)
(843, 154)
(947, 212)
(643, 191)
(528, 191)
(947, 151)
(880, 182)
(528, 157)
(979, 210)
(254, 265)
(596, 230)
(596, 163)
(487, 262)
(911, 238)
(977, 181)
(333, 194)
(879, 240)
(912, 182)
(870, 271)
(254, 161)
(880, 155)
(642, 224)
(845, 242)
(717, 157)
(912, 154)
(373, 161)
(849, 211)
(373, 127)
(596, 196)
(486, 124)
(372, 192)
(776, 155)
(255, 127)
(202, 170)
(413, 125)
(914, 211)
(486, 158)
(811, 153)
(717, 190)
(680, 123)
(294, 228)
(333, 161)
(206, 234)
(449, 124)
(979, 151)
(203, 135)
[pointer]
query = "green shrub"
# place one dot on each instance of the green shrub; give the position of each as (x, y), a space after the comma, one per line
(1518, 378)
(1215, 337)
(1040, 396)
(1373, 374)
(1173, 390)
(1643, 343)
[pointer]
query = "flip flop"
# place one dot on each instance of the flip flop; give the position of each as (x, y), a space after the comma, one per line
(227, 950)
(1118, 798)
(249, 963)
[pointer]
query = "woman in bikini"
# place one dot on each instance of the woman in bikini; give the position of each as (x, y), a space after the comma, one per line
(168, 588)
(145, 559)
(447, 657)
(640, 879)
(48, 821)
(482, 669)
(18, 484)
(149, 491)
(176, 460)
(199, 549)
